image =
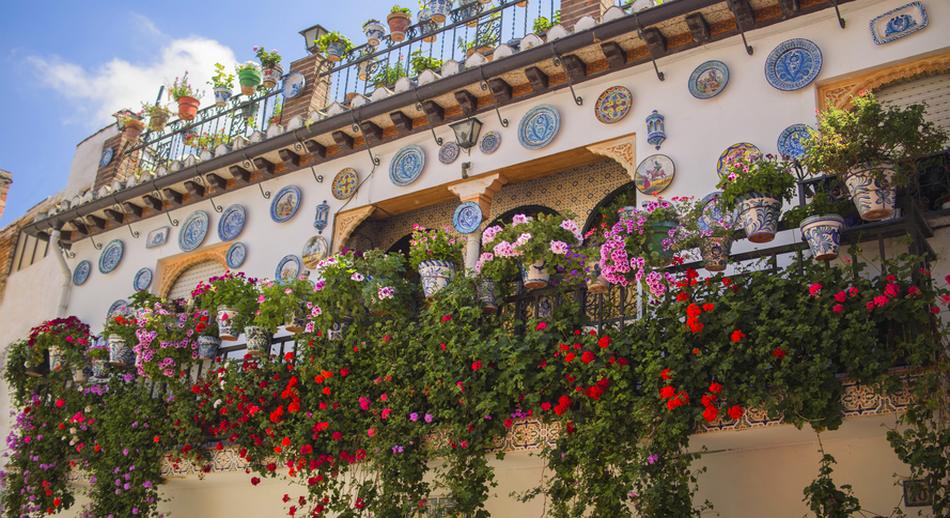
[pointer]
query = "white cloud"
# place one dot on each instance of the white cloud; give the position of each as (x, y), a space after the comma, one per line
(118, 83)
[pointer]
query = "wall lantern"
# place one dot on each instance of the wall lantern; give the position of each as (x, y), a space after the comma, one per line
(322, 217)
(310, 36)
(656, 129)
(466, 132)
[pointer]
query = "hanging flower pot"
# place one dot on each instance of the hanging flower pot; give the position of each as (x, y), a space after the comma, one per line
(522, 4)
(188, 107)
(249, 76)
(250, 110)
(296, 322)
(435, 275)
(362, 70)
(99, 368)
(208, 347)
(486, 295)
(374, 32)
(758, 216)
(79, 375)
(222, 95)
(440, 10)
(398, 23)
(823, 234)
(56, 358)
(271, 76)
(872, 191)
(715, 250)
(119, 352)
(535, 275)
(157, 119)
(38, 371)
(596, 283)
(258, 340)
(659, 231)
(133, 128)
(226, 328)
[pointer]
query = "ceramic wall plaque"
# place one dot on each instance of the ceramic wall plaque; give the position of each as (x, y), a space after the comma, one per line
(111, 256)
(709, 79)
(285, 203)
(897, 23)
(407, 165)
(193, 231)
(539, 126)
(712, 214)
(467, 217)
(235, 255)
(106, 157)
(345, 183)
(81, 272)
(733, 152)
(449, 152)
(294, 83)
(288, 268)
(157, 237)
(791, 142)
(232, 222)
(119, 307)
(793, 64)
(315, 250)
(142, 279)
(654, 174)
(490, 143)
(613, 104)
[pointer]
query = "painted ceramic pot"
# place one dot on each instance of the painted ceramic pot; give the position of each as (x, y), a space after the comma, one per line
(79, 375)
(486, 295)
(208, 347)
(535, 276)
(374, 32)
(435, 274)
(271, 76)
(439, 10)
(225, 318)
(758, 216)
(715, 251)
(296, 322)
(119, 352)
(338, 329)
(157, 120)
(335, 51)
(872, 191)
(249, 79)
(99, 368)
(188, 108)
(658, 232)
(823, 235)
(258, 340)
(222, 95)
(398, 23)
(56, 358)
(596, 283)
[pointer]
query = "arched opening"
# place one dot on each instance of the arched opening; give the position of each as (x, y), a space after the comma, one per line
(401, 245)
(625, 195)
(527, 210)
(185, 282)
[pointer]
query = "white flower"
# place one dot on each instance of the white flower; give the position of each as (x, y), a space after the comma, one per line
(357, 276)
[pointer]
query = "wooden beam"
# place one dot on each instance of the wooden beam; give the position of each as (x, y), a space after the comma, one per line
(742, 10)
(698, 27)
(537, 78)
(153, 201)
(500, 90)
(616, 56)
(575, 66)
(434, 113)
(263, 164)
(194, 188)
(133, 208)
(240, 174)
(371, 131)
(467, 101)
(289, 157)
(655, 41)
(316, 148)
(173, 195)
(97, 222)
(217, 182)
(402, 121)
(342, 139)
(115, 215)
(790, 7)
(81, 227)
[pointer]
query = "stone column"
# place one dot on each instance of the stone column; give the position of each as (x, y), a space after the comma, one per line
(481, 191)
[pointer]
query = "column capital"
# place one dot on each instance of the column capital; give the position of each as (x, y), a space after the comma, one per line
(619, 150)
(481, 190)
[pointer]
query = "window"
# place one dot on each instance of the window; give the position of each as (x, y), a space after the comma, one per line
(187, 280)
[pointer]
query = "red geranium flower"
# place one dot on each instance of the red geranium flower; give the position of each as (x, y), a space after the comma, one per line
(588, 357)
(778, 352)
(735, 412)
(710, 413)
(541, 326)
(715, 388)
(603, 342)
(736, 336)
(665, 374)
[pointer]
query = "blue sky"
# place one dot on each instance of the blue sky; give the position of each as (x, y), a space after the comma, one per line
(64, 66)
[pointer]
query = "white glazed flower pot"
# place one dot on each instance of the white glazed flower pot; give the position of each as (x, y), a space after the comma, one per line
(436, 275)
(258, 340)
(119, 352)
(535, 275)
(759, 217)
(225, 318)
(823, 234)
(872, 191)
(208, 347)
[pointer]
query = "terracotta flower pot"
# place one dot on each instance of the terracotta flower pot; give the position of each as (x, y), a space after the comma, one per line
(398, 23)
(759, 217)
(823, 234)
(535, 276)
(715, 251)
(188, 108)
(158, 119)
(872, 191)
(436, 275)
(133, 128)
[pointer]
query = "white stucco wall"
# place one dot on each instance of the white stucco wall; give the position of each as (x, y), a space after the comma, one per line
(85, 164)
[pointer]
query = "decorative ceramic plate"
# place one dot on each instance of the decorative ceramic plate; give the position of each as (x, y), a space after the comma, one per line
(193, 231)
(899, 22)
(157, 237)
(407, 165)
(293, 85)
(345, 183)
(285, 203)
(235, 255)
(793, 64)
(613, 104)
(142, 279)
(712, 213)
(791, 141)
(111, 256)
(539, 126)
(709, 79)
(449, 152)
(106, 157)
(119, 307)
(287, 269)
(232, 222)
(314, 251)
(490, 143)
(81, 272)
(732, 152)
(467, 217)
(654, 174)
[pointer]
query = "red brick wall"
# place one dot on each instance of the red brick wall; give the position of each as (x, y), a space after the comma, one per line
(314, 95)
(573, 10)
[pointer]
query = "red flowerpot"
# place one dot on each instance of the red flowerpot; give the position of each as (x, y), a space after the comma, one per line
(188, 108)
(398, 23)
(133, 128)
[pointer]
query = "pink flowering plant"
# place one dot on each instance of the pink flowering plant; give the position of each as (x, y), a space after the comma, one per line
(167, 337)
(753, 174)
(549, 238)
(434, 245)
(280, 303)
(69, 335)
(338, 291)
(234, 290)
(385, 289)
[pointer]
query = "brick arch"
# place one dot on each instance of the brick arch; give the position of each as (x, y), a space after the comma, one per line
(838, 93)
(170, 268)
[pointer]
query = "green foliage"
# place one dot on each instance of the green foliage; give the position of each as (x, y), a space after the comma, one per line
(233, 290)
(182, 88)
(420, 63)
(825, 499)
(552, 239)
(752, 173)
(331, 38)
(542, 24)
(281, 302)
(268, 59)
(388, 74)
(221, 79)
(400, 10)
(434, 245)
(820, 204)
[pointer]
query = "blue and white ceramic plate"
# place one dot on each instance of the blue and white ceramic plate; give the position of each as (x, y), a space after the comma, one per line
(285, 204)
(232, 222)
(106, 157)
(315, 250)
(407, 165)
(539, 126)
(157, 237)
(712, 213)
(119, 307)
(467, 217)
(193, 231)
(81, 272)
(791, 141)
(709, 79)
(142, 279)
(287, 269)
(899, 22)
(793, 64)
(235, 255)
(293, 85)
(733, 152)
(449, 152)
(490, 143)
(111, 256)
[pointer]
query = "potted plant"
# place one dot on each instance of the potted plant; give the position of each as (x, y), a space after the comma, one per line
(275, 115)
(711, 235)
(222, 83)
(334, 46)
(98, 355)
(271, 71)
(542, 23)
(119, 331)
(186, 97)
(539, 246)
(283, 304)
(58, 345)
(873, 149)
(232, 298)
(388, 74)
(757, 185)
(374, 32)
(130, 123)
(399, 19)
(821, 223)
(385, 289)
(166, 340)
(249, 76)
(158, 116)
(427, 26)
(420, 63)
(436, 255)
